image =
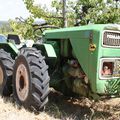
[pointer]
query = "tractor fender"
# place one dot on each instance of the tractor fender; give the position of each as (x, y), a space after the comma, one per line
(13, 47)
(46, 49)
(10, 47)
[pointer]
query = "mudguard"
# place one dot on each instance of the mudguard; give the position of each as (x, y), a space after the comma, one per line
(50, 50)
(10, 47)
(47, 49)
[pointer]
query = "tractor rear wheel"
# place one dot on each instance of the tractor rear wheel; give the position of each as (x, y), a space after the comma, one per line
(6, 71)
(31, 79)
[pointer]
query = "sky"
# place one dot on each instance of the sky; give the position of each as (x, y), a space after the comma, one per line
(10, 9)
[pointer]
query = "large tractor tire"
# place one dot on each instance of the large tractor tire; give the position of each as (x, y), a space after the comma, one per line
(31, 79)
(6, 71)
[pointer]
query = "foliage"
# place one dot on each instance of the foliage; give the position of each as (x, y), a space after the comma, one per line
(113, 86)
(38, 12)
(82, 11)
(98, 11)
(54, 17)
(5, 28)
(70, 12)
(23, 28)
(79, 11)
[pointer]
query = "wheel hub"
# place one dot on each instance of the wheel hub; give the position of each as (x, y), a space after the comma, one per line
(22, 82)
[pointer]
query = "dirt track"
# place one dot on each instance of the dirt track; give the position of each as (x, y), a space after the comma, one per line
(65, 108)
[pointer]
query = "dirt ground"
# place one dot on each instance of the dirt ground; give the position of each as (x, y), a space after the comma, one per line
(64, 108)
(68, 108)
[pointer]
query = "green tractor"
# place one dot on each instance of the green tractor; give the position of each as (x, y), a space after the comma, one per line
(84, 60)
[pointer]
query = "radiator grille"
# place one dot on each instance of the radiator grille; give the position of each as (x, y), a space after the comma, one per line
(111, 38)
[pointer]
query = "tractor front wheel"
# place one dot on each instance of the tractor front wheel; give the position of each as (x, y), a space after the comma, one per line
(6, 71)
(31, 79)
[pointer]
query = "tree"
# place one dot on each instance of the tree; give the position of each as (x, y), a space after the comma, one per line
(80, 11)
(5, 28)
(70, 16)
(97, 11)
(38, 12)
(53, 17)
(23, 27)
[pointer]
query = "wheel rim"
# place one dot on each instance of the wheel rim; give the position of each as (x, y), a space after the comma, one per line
(1, 76)
(22, 82)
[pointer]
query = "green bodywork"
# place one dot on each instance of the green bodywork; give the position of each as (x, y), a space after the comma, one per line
(75, 43)
(84, 44)
(10, 48)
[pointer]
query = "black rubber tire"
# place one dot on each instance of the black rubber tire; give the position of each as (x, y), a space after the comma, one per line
(38, 80)
(6, 63)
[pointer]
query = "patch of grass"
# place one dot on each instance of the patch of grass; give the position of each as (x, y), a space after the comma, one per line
(60, 107)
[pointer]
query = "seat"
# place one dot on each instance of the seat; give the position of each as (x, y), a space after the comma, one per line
(14, 38)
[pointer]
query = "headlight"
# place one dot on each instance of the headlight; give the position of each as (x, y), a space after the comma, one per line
(109, 68)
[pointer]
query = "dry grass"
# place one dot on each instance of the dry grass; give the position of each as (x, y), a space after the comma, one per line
(9, 111)
(64, 108)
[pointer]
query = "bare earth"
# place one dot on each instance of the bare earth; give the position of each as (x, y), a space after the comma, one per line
(64, 108)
